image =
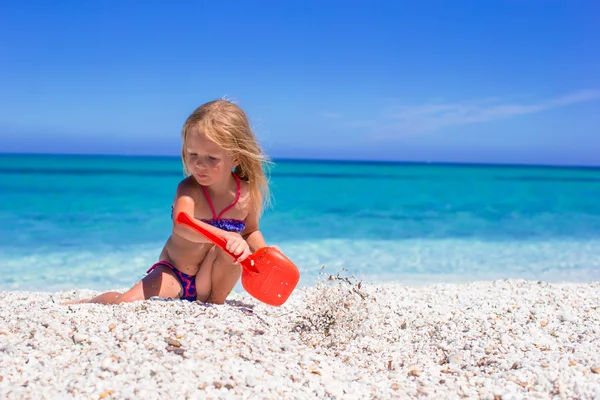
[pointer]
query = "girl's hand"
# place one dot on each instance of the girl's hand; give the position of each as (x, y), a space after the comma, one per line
(238, 246)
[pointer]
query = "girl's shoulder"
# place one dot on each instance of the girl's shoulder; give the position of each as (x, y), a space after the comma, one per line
(187, 187)
(251, 198)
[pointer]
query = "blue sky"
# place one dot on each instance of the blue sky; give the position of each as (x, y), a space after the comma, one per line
(488, 81)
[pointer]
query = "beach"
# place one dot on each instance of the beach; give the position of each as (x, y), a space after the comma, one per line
(339, 339)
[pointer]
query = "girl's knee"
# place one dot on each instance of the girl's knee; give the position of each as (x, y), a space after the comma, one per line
(212, 254)
(224, 259)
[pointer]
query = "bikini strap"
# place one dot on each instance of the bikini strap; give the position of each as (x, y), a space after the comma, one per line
(212, 208)
(209, 202)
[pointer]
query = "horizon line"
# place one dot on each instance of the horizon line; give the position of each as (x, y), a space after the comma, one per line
(334, 161)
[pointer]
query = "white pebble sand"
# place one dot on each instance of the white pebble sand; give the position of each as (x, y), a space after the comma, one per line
(492, 340)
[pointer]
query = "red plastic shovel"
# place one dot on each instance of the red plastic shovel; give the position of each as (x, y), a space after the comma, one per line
(267, 274)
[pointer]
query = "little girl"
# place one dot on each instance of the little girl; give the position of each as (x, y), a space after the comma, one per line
(225, 191)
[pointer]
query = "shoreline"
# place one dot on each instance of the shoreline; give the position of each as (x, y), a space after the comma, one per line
(339, 339)
(307, 281)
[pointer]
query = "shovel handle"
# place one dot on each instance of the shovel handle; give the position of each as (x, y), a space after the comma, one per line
(184, 219)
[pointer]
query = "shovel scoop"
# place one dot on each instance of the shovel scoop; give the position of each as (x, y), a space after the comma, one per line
(267, 274)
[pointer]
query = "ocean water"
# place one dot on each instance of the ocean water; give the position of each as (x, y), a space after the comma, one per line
(99, 222)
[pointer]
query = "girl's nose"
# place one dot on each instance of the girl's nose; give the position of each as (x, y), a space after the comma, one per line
(200, 163)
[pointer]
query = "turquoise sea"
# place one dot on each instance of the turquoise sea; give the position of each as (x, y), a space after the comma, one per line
(99, 222)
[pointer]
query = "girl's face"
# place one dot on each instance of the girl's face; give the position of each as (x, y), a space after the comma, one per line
(206, 161)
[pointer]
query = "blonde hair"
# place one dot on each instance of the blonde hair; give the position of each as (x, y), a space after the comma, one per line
(227, 125)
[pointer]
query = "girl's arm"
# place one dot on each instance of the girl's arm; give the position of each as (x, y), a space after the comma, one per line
(184, 202)
(251, 234)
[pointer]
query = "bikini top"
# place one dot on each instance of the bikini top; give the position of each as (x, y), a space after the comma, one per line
(229, 225)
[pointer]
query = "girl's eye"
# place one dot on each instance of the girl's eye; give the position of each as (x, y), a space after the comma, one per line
(212, 158)
(193, 154)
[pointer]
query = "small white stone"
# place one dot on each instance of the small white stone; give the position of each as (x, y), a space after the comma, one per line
(114, 367)
(79, 337)
(106, 363)
(455, 358)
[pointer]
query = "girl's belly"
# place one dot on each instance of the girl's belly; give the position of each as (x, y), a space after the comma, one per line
(184, 255)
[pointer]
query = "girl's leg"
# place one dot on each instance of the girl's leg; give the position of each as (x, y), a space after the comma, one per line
(225, 274)
(161, 281)
(203, 277)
